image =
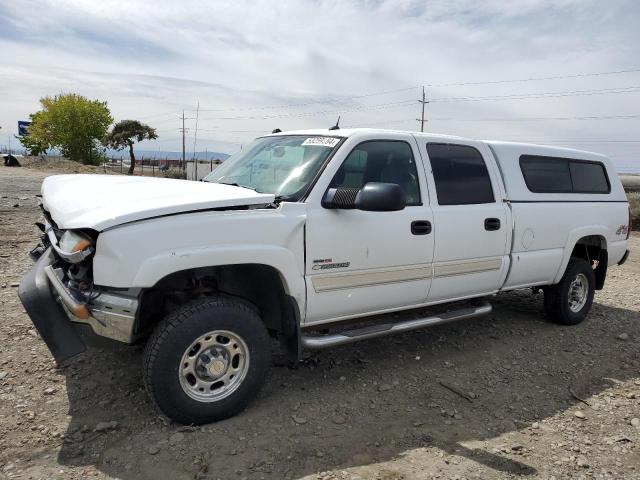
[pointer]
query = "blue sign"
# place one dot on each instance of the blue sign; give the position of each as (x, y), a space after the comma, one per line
(23, 128)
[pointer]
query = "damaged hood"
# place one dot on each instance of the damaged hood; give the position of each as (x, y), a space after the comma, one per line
(102, 201)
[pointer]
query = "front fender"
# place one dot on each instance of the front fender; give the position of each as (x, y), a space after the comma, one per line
(153, 269)
(140, 254)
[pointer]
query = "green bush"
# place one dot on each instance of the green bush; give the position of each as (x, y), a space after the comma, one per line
(175, 173)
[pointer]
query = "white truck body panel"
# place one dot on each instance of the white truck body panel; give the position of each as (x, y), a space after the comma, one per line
(388, 267)
(548, 225)
(378, 265)
(142, 253)
(103, 201)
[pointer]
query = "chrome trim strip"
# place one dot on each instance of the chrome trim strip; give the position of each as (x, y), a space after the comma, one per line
(365, 333)
(328, 283)
(366, 279)
(111, 316)
(54, 278)
(448, 269)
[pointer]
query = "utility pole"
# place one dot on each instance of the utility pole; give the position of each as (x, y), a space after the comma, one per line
(184, 132)
(424, 101)
(195, 138)
(183, 144)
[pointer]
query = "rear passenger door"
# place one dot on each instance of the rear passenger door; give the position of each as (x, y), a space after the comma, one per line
(470, 221)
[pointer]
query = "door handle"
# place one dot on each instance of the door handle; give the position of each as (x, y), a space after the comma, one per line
(421, 227)
(491, 224)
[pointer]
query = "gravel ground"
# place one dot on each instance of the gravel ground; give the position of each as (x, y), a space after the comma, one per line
(544, 401)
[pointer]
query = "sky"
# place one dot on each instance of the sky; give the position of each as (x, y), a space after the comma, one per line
(564, 72)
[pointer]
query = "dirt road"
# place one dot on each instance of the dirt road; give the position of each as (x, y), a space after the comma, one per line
(545, 401)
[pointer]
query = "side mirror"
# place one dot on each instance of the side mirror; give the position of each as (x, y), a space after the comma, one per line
(373, 197)
(381, 197)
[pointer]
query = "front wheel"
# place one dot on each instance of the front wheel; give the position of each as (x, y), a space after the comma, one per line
(569, 301)
(207, 361)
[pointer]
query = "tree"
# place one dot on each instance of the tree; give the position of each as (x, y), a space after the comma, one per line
(125, 133)
(35, 146)
(74, 124)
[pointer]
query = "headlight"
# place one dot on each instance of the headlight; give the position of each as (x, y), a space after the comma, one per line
(72, 241)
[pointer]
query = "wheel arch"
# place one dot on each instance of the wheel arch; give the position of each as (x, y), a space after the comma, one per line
(589, 243)
(262, 286)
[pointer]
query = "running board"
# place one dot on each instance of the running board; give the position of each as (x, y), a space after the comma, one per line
(331, 340)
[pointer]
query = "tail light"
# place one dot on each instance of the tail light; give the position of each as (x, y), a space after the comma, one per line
(630, 224)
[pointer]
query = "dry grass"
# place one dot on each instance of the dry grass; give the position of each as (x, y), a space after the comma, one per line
(634, 202)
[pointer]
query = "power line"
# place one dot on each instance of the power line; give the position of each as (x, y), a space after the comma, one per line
(320, 112)
(534, 119)
(399, 90)
(310, 102)
(405, 89)
(515, 119)
(568, 93)
(167, 114)
(535, 79)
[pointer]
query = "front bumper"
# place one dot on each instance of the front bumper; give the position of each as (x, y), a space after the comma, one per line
(54, 310)
(48, 316)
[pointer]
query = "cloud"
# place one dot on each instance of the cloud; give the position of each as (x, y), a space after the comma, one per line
(151, 58)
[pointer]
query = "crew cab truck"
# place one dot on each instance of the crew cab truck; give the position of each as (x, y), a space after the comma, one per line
(311, 238)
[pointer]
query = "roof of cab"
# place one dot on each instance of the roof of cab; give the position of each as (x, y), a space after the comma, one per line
(349, 132)
(531, 148)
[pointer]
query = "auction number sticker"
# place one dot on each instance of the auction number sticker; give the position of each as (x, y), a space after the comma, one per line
(321, 141)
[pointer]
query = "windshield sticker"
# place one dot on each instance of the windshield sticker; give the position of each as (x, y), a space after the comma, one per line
(321, 141)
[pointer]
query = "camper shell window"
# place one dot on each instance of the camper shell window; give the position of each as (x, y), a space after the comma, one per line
(563, 175)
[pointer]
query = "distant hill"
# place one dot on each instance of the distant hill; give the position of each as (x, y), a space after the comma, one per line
(162, 154)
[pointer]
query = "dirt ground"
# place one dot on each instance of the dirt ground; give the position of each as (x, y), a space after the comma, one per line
(544, 401)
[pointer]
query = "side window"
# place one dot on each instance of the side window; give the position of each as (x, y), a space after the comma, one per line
(589, 177)
(548, 175)
(380, 161)
(563, 175)
(460, 174)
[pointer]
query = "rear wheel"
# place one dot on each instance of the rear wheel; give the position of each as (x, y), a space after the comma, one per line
(207, 360)
(569, 301)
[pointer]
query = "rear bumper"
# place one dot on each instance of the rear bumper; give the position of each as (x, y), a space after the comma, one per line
(47, 315)
(624, 258)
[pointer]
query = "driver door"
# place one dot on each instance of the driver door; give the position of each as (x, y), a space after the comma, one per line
(362, 262)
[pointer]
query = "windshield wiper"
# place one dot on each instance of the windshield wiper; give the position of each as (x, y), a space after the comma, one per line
(234, 184)
(281, 198)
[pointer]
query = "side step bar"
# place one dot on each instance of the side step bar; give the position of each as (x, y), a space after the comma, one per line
(331, 340)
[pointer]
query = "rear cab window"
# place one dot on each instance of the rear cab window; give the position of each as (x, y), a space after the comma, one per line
(460, 174)
(563, 175)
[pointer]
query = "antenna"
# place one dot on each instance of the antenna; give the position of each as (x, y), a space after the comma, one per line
(337, 125)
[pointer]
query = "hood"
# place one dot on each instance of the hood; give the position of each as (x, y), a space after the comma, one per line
(102, 201)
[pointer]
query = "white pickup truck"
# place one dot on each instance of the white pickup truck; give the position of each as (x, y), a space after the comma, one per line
(311, 238)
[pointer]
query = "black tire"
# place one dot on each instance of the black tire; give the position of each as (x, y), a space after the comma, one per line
(557, 297)
(173, 336)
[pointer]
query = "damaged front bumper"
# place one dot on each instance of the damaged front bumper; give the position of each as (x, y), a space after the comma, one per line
(54, 309)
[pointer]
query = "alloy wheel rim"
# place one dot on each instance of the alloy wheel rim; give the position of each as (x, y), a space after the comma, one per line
(214, 366)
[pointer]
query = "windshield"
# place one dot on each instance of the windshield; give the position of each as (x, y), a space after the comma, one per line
(283, 165)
